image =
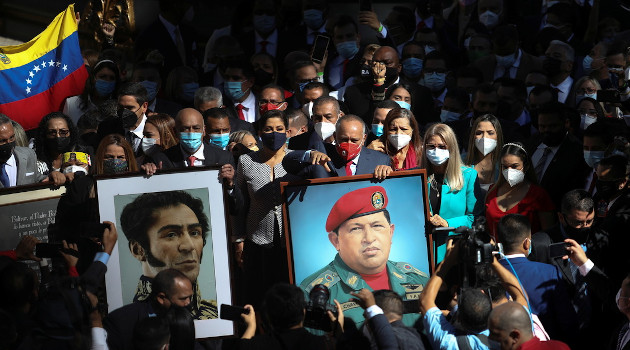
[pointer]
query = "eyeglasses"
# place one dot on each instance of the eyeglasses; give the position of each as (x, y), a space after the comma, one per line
(60, 132)
(432, 147)
(263, 102)
(129, 108)
(589, 91)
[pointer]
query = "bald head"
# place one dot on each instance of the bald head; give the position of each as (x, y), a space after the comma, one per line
(189, 120)
(510, 325)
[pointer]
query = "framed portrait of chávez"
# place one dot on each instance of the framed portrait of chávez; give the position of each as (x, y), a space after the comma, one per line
(349, 233)
(174, 219)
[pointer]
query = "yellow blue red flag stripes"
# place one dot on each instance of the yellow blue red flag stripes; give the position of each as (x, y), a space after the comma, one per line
(36, 77)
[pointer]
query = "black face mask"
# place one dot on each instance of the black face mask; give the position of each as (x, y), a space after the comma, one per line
(606, 189)
(59, 144)
(128, 118)
(578, 234)
(5, 151)
(551, 66)
(262, 77)
(366, 71)
(274, 140)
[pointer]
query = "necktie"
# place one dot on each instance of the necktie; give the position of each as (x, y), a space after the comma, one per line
(581, 300)
(592, 186)
(421, 25)
(179, 43)
(239, 109)
(191, 160)
(345, 65)
(263, 46)
(348, 169)
(4, 177)
(540, 167)
(506, 72)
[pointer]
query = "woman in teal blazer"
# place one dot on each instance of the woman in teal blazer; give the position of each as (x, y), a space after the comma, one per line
(451, 185)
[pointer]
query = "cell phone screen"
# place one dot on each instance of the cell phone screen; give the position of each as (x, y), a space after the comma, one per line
(319, 48)
(558, 250)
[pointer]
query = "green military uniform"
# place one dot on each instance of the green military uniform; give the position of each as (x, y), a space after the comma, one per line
(404, 279)
(201, 310)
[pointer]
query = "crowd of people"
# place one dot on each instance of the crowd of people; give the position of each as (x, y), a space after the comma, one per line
(518, 111)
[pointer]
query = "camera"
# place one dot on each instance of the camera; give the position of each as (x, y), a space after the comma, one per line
(316, 309)
(474, 248)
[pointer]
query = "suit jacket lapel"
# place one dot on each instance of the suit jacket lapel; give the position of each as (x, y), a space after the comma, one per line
(364, 162)
(20, 159)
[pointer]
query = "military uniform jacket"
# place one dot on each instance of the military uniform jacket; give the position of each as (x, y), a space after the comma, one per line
(404, 279)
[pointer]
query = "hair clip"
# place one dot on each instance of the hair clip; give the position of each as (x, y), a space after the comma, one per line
(516, 145)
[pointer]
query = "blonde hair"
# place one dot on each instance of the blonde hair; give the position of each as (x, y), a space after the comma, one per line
(453, 172)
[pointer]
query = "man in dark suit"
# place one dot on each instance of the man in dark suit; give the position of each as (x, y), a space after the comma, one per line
(509, 60)
(557, 156)
(362, 97)
(345, 59)
(149, 76)
(191, 150)
(18, 165)
(588, 286)
(170, 287)
(543, 282)
(210, 97)
(347, 157)
(174, 39)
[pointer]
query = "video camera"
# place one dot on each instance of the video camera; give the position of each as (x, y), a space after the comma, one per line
(316, 309)
(474, 247)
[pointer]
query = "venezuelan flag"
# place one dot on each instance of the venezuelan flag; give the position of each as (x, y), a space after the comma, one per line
(36, 77)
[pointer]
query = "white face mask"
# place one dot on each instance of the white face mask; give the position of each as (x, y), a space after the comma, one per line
(74, 169)
(489, 19)
(437, 156)
(586, 120)
(148, 145)
(513, 176)
(485, 145)
(324, 130)
(399, 140)
(307, 108)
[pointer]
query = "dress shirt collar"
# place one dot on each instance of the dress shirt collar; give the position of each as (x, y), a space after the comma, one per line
(512, 256)
(517, 62)
(249, 103)
(198, 154)
(564, 86)
(11, 161)
(170, 27)
(310, 38)
(427, 22)
(524, 118)
(139, 131)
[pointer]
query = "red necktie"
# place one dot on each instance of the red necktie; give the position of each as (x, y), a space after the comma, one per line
(421, 25)
(263, 46)
(348, 169)
(191, 160)
(239, 109)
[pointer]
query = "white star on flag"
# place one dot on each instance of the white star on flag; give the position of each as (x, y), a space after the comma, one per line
(58, 64)
(51, 63)
(36, 68)
(31, 74)
(28, 90)
(44, 64)
(29, 81)
(65, 67)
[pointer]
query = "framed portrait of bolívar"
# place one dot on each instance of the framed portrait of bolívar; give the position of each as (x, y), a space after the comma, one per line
(173, 219)
(348, 233)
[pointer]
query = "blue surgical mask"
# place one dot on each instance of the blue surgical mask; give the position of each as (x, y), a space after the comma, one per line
(104, 88)
(347, 49)
(434, 81)
(234, 90)
(220, 140)
(313, 18)
(587, 64)
(579, 98)
(428, 49)
(404, 105)
(264, 24)
(448, 116)
(437, 156)
(412, 67)
(529, 250)
(190, 141)
(377, 129)
(592, 158)
(152, 89)
(188, 91)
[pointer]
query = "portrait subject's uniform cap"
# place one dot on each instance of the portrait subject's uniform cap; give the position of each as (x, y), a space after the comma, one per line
(364, 201)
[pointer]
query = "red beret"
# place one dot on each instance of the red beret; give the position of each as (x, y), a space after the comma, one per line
(359, 202)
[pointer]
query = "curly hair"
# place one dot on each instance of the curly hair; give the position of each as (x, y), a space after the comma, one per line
(42, 129)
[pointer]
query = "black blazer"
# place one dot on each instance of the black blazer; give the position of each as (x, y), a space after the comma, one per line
(567, 170)
(173, 158)
(156, 37)
(120, 323)
(368, 161)
(358, 98)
